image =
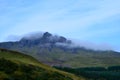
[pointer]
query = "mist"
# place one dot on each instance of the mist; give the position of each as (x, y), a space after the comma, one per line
(92, 45)
(33, 35)
(13, 38)
(87, 45)
(71, 43)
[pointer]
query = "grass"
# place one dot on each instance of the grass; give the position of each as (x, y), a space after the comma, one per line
(25, 59)
(81, 58)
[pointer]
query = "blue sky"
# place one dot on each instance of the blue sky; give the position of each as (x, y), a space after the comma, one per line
(96, 21)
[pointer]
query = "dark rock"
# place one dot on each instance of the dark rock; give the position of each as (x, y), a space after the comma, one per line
(62, 39)
(46, 35)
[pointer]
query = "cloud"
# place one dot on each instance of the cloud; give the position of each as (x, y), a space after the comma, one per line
(75, 43)
(13, 38)
(92, 45)
(87, 45)
(31, 35)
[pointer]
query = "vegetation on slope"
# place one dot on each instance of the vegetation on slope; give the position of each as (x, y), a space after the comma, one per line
(17, 66)
(66, 57)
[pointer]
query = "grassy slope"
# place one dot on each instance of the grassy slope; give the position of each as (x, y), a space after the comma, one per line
(57, 56)
(18, 57)
(93, 59)
(81, 59)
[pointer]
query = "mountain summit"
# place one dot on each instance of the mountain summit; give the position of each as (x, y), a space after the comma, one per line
(46, 38)
(47, 34)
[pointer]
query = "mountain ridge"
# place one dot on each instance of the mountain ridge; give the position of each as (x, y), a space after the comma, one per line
(57, 50)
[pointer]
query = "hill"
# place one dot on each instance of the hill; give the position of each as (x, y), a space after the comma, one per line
(17, 66)
(59, 51)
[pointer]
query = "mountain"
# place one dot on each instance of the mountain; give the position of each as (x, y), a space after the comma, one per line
(59, 51)
(18, 66)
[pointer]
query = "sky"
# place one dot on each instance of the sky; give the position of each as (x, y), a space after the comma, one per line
(95, 21)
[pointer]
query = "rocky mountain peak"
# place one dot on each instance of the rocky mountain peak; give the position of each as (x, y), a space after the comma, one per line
(45, 38)
(46, 35)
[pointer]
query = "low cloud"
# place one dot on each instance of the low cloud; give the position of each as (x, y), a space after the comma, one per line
(13, 38)
(92, 45)
(33, 35)
(68, 44)
(87, 45)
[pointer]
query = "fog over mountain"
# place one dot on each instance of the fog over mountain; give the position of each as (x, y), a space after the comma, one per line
(71, 43)
(81, 37)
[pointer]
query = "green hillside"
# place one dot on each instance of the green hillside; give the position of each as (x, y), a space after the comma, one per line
(17, 66)
(59, 51)
(81, 58)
